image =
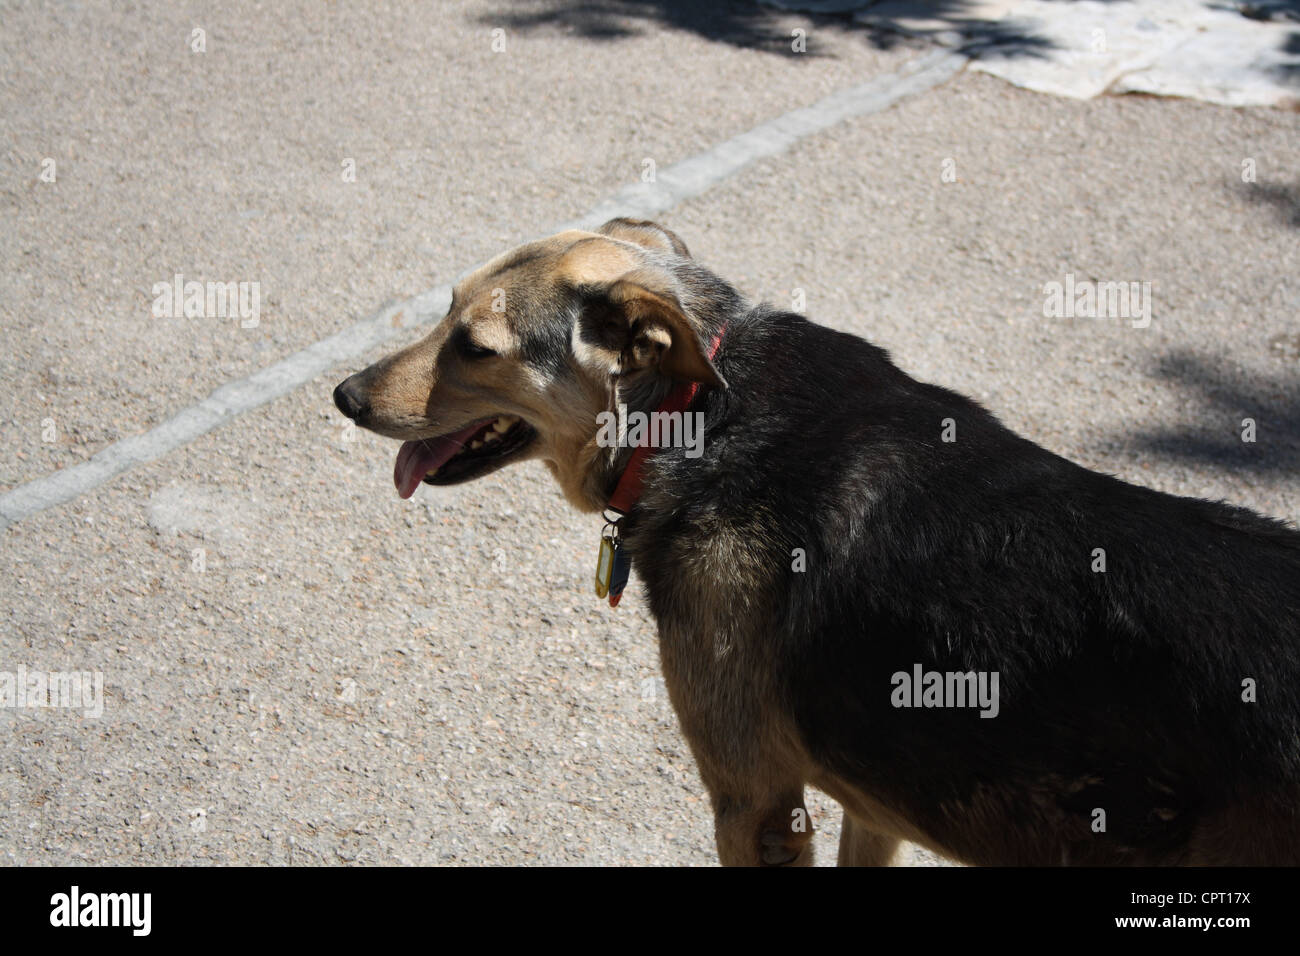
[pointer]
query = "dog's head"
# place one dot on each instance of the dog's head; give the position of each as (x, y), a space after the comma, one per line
(536, 344)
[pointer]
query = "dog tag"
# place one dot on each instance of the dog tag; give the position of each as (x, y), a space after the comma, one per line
(618, 578)
(604, 564)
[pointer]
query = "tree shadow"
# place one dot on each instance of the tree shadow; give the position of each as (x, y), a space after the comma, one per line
(1290, 73)
(749, 24)
(1221, 398)
(743, 23)
(1282, 199)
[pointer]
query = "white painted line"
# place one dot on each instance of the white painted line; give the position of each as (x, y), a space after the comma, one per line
(693, 176)
(681, 181)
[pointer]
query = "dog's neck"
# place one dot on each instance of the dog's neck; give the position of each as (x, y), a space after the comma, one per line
(644, 394)
(667, 398)
(713, 306)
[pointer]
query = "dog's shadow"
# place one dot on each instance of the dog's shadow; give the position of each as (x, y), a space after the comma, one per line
(1233, 419)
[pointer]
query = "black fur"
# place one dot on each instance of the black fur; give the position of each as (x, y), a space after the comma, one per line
(1120, 690)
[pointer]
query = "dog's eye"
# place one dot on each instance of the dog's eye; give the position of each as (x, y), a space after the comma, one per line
(469, 349)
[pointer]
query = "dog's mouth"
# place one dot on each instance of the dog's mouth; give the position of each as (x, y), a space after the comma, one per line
(461, 455)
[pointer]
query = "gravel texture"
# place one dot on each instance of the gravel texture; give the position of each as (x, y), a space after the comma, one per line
(301, 668)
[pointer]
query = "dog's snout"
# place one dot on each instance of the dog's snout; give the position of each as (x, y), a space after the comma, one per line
(351, 398)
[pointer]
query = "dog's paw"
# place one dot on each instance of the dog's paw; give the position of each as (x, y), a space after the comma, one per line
(780, 849)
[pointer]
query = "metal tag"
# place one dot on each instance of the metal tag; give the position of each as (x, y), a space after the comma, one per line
(618, 578)
(604, 565)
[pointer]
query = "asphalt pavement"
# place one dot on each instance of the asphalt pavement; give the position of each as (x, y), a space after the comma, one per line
(299, 667)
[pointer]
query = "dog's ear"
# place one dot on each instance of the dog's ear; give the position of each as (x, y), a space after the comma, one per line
(636, 328)
(651, 235)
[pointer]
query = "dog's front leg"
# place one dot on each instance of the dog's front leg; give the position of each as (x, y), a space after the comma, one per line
(756, 786)
(719, 677)
(860, 846)
(768, 830)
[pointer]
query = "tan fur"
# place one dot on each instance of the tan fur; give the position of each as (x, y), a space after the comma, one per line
(718, 662)
(596, 260)
(651, 235)
(717, 672)
(425, 390)
(862, 846)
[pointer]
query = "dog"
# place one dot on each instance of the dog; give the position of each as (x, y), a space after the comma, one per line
(869, 585)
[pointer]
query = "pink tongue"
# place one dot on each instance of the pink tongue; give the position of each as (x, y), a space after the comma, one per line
(416, 459)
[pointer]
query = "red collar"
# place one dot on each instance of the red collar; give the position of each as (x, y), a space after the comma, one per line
(628, 490)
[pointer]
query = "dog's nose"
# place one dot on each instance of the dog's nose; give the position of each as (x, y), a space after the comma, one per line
(350, 397)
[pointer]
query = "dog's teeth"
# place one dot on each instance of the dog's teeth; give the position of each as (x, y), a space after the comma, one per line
(491, 436)
(432, 473)
(502, 424)
(475, 444)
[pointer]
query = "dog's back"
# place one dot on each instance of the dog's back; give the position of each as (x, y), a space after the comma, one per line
(1146, 647)
(867, 583)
